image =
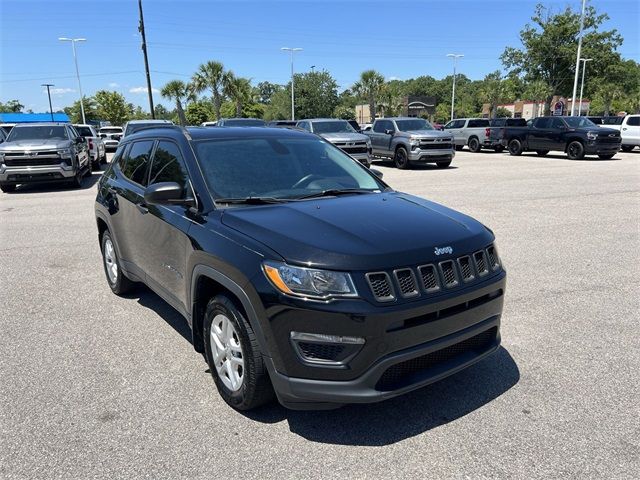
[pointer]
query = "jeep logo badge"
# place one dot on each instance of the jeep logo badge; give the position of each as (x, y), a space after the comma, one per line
(443, 250)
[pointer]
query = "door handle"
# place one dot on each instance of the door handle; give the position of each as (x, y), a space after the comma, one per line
(142, 208)
(624, 128)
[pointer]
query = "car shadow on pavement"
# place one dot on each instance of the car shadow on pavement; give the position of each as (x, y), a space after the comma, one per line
(590, 158)
(87, 182)
(423, 166)
(406, 416)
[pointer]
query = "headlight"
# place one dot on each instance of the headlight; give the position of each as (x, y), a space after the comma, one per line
(592, 135)
(65, 152)
(1, 158)
(309, 282)
(414, 142)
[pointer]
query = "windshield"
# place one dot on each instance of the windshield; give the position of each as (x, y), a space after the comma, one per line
(111, 130)
(244, 122)
(332, 127)
(576, 122)
(414, 124)
(38, 133)
(84, 131)
(287, 168)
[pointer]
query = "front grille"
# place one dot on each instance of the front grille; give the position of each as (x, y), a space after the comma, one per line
(413, 371)
(435, 146)
(32, 162)
(430, 278)
(407, 282)
(449, 274)
(380, 286)
(320, 351)
(360, 147)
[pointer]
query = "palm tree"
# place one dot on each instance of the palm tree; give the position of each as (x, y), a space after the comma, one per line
(210, 76)
(177, 90)
(238, 89)
(369, 86)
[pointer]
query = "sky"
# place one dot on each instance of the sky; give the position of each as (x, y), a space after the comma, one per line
(400, 39)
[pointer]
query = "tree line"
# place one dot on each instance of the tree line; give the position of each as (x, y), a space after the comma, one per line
(541, 68)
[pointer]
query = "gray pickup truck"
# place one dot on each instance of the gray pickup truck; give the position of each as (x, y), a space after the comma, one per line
(408, 140)
(342, 135)
(43, 152)
(473, 132)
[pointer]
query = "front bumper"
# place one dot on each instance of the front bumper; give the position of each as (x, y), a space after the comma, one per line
(431, 155)
(594, 148)
(407, 347)
(49, 173)
(363, 158)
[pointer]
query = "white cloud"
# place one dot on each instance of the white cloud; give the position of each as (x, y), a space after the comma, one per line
(143, 90)
(393, 78)
(114, 85)
(59, 91)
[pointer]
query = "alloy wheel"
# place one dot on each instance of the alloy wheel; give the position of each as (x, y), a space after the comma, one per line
(227, 352)
(110, 261)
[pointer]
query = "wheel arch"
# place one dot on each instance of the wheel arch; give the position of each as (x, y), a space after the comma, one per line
(573, 139)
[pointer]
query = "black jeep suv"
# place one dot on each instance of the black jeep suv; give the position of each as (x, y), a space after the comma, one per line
(299, 271)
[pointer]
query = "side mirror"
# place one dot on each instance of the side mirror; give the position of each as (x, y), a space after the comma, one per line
(377, 173)
(389, 132)
(166, 193)
(79, 140)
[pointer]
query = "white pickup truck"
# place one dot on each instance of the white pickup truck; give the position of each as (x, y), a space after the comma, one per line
(629, 132)
(95, 145)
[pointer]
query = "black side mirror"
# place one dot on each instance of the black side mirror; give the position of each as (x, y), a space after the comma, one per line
(377, 173)
(166, 193)
(388, 132)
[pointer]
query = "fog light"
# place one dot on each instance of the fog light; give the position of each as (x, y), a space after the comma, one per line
(321, 338)
(326, 350)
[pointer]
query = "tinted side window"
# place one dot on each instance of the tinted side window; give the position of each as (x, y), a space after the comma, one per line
(378, 126)
(542, 122)
(135, 164)
(557, 123)
(633, 121)
(168, 166)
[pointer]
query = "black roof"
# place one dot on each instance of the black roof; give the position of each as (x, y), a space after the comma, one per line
(207, 133)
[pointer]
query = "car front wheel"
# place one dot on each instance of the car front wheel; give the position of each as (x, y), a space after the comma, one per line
(401, 158)
(575, 150)
(8, 188)
(233, 355)
(116, 279)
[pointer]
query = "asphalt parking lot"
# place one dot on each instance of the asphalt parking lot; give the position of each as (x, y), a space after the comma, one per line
(93, 385)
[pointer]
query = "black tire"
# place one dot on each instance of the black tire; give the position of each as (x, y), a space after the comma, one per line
(459, 148)
(474, 145)
(515, 147)
(575, 150)
(542, 153)
(77, 179)
(103, 158)
(627, 148)
(401, 158)
(256, 388)
(444, 164)
(8, 188)
(608, 156)
(95, 165)
(499, 149)
(121, 284)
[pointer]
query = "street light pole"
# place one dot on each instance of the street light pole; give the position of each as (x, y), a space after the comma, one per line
(292, 51)
(584, 69)
(75, 59)
(455, 57)
(48, 85)
(575, 79)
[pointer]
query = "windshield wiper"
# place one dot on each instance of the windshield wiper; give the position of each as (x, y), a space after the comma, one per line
(332, 192)
(251, 200)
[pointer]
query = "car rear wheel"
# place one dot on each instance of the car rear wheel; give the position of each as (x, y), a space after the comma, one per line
(515, 147)
(233, 355)
(474, 145)
(542, 153)
(575, 150)
(627, 148)
(401, 158)
(116, 279)
(8, 188)
(444, 164)
(608, 156)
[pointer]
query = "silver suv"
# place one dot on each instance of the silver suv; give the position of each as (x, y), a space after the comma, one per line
(43, 152)
(474, 132)
(342, 135)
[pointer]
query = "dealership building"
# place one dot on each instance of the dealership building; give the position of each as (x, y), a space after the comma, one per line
(412, 106)
(527, 109)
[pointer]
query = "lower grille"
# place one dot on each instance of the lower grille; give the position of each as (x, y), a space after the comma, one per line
(435, 146)
(32, 162)
(321, 351)
(414, 370)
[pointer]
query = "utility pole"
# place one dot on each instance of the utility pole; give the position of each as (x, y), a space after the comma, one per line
(75, 59)
(146, 59)
(455, 57)
(575, 80)
(584, 69)
(48, 85)
(292, 51)
(312, 68)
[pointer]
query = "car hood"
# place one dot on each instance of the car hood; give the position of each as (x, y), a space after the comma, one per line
(344, 137)
(35, 145)
(427, 134)
(359, 232)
